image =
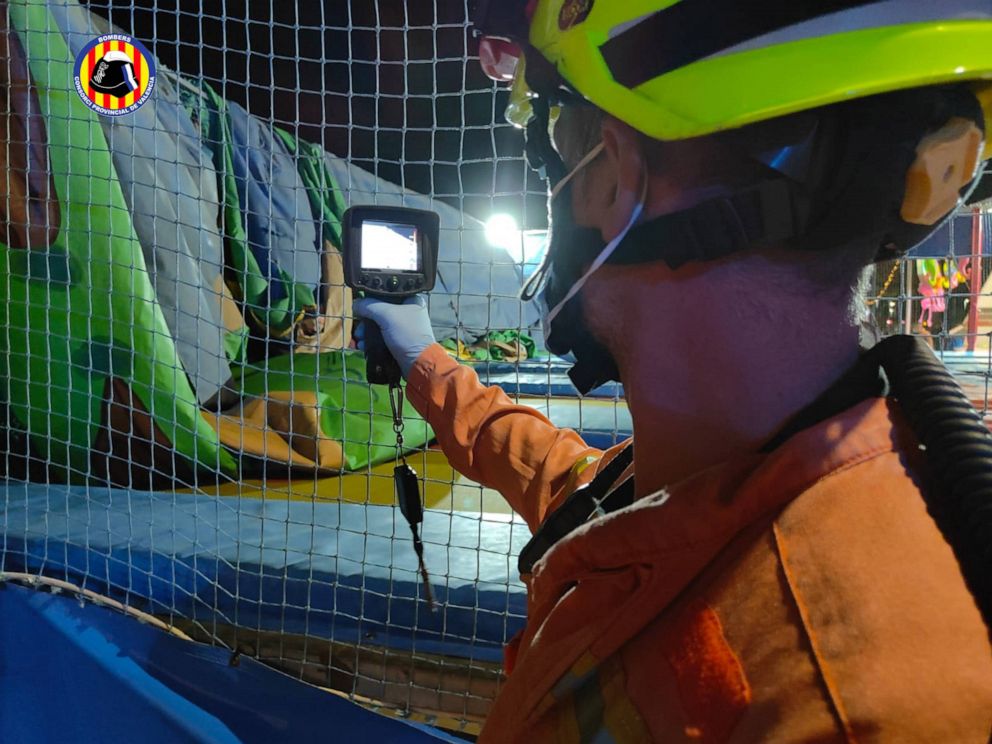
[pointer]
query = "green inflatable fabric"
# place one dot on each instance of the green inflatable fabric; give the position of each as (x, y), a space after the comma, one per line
(351, 411)
(84, 310)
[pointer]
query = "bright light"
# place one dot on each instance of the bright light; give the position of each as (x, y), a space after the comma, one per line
(502, 231)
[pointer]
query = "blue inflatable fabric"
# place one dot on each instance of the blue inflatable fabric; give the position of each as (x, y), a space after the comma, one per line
(74, 672)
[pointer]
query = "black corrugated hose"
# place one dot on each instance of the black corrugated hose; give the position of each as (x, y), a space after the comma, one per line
(958, 449)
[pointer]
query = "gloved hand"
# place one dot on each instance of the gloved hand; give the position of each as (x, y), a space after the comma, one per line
(406, 328)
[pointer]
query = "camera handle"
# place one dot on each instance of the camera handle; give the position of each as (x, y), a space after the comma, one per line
(380, 366)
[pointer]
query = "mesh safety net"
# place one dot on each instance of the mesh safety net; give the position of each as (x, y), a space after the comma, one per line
(187, 428)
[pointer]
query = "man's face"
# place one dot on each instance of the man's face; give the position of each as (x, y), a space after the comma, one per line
(577, 132)
(605, 193)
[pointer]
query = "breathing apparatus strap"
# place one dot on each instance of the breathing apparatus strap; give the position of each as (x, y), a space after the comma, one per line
(767, 213)
(852, 192)
(540, 153)
(601, 495)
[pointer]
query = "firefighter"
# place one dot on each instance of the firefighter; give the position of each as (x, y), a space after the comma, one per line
(757, 564)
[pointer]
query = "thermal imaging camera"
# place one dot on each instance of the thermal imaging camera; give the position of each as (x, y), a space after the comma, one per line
(390, 253)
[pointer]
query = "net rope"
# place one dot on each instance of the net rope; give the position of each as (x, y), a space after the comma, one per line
(187, 432)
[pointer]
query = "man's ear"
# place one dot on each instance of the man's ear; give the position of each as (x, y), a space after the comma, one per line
(627, 164)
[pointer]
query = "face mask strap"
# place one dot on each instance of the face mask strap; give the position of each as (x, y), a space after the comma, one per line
(590, 156)
(608, 251)
(533, 285)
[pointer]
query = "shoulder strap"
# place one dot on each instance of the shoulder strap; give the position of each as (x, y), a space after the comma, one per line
(862, 381)
(580, 505)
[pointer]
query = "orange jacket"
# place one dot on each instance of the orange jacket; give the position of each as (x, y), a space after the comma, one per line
(802, 595)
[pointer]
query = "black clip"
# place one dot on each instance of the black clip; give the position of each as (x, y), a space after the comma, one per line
(408, 496)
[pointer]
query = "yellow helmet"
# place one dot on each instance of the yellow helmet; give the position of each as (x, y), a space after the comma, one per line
(675, 69)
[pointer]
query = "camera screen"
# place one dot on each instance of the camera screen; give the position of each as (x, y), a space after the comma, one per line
(389, 246)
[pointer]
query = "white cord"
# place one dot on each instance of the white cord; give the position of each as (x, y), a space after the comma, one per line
(33, 581)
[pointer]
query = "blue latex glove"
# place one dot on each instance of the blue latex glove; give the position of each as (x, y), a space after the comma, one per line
(406, 328)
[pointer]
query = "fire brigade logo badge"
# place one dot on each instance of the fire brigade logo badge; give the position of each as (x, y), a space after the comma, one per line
(573, 12)
(114, 75)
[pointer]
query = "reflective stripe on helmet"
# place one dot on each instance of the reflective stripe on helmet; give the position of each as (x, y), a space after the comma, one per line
(692, 30)
(875, 15)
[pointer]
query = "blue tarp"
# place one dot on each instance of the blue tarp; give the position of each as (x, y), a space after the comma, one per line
(281, 226)
(337, 571)
(74, 672)
(540, 377)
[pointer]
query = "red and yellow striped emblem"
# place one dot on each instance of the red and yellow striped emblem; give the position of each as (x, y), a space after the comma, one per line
(142, 72)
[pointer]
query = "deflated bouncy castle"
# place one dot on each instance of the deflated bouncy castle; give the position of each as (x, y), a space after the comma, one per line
(225, 232)
(198, 537)
(177, 331)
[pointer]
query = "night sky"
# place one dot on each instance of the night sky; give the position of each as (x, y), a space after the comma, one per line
(389, 84)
